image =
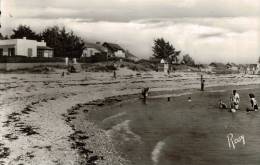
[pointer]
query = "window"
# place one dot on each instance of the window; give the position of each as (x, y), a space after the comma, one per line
(40, 53)
(29, 52)
(1, 52)
(11, 52)
(91, 53)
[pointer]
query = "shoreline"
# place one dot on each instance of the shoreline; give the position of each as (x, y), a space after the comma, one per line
(75, 114)
(38, 102)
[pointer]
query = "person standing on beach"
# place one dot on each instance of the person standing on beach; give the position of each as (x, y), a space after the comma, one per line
(145, 94)
(62, 74)
(114, 74)
(235, 99)
(202, 83)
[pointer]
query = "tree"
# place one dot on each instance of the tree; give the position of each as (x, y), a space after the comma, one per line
(24, 31)
(3, 37)
(188, 60)
(259, 60)
(65, 44)
(163, 49)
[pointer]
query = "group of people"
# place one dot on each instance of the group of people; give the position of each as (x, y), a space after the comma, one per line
(235, 100)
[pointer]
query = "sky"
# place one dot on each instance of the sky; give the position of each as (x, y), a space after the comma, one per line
(207, 30)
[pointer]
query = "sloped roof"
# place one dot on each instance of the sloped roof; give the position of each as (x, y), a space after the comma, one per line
(130, 55)
(232, 64)
(217, 64)
(113, 46)
(95, 46)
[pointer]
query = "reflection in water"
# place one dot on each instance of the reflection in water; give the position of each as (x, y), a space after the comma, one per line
(157, 152)
(181, 132)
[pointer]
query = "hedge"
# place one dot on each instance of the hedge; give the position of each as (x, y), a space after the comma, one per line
(22, 59)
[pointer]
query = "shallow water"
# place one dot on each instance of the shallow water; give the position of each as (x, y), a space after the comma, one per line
(181, 132)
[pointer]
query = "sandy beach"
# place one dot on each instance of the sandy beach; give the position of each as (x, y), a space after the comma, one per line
(41, 114)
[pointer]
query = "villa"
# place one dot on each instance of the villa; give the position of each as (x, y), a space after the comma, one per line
(92, 49)
(114, 50)
(25, 47)
(107, 50)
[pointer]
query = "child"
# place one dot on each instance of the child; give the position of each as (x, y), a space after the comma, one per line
(222, 105)
(202, 83)
(189, 99)
(235, 99)
(145, 92)
(254, 105)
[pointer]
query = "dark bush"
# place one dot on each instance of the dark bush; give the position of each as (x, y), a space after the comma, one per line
(98, 57)
(22, 59)
(147, 64)
(98, 67)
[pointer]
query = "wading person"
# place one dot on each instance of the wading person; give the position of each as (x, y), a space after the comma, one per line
(114, 74)
(202, 85)
(145, 93)
(189, 99)
(235, 99)
(253, 102)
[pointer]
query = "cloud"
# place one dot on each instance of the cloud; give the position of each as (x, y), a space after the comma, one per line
(215, 35)
(223, 30)
(218, 44)
(127, 10)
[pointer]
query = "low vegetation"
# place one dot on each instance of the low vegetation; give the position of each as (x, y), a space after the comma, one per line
(110, 66)
(23, 59)
(98, 67)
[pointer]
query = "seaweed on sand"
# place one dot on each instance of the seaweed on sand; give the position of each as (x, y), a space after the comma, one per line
(11, 137)
(4, 151)
(77, 139)
(11, 118)
(28, 130)
(78, 135)
(27, 110)
(29, 155)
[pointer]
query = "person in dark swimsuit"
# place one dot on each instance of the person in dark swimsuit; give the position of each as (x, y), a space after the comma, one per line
(222, 105)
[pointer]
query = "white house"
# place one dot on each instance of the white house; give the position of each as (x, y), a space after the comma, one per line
(92, 49)
(114, 50)
(120, 53)
(253, 68)
(163, 66)
(25, 47)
